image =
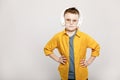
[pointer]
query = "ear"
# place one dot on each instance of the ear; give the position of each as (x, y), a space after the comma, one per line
(62, 20)
(80, 19)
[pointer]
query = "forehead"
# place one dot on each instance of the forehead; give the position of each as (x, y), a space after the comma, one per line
(71, 16)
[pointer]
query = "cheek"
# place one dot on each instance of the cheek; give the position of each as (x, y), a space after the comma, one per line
(66, 22)
(76, 22)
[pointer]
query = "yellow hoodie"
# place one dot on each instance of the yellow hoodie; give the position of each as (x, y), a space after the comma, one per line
(81, 42)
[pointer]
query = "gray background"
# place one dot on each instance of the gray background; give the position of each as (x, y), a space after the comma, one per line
(26, 26)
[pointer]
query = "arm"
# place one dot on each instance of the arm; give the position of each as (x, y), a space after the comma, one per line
(90, 60)
(86, 63)
(54, 57)
(91, 43)
(48, 50)
(61, 59)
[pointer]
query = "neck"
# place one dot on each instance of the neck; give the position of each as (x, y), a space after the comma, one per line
(70, 33)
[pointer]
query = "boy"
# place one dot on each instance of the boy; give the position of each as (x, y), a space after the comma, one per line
(72, 45)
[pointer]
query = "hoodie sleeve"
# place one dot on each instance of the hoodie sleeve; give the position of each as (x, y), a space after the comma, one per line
(91, 43)
(50, 46)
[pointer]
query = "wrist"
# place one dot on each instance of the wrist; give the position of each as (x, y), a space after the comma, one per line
(88, 63)
(58, 59)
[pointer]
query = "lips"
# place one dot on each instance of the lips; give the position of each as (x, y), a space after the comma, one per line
(71, 25)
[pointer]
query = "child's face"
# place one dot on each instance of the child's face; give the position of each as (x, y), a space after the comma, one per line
(71, 21)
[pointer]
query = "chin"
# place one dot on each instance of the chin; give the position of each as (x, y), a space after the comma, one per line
(71, 30)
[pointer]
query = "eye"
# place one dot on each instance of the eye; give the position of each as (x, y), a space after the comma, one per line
(74, 20)
(67, 19)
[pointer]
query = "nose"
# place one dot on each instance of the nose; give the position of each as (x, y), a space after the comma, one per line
(71, 22)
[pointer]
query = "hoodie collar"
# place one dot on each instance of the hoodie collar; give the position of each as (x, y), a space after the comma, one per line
(78, 33)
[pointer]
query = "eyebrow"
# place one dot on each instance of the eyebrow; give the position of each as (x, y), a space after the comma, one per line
(72, 19)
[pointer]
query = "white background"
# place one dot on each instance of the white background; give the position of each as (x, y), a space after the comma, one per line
(26, 26)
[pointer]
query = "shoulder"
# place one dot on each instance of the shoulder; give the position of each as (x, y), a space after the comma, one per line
(85, 34)
(58, 34)
(82, 33)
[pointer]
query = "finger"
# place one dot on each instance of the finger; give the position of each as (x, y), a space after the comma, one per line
(84, 65)
(62, 62)
(63, 57)
(82, 62)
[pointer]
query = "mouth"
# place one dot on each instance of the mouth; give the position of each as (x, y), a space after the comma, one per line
(70, 25)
